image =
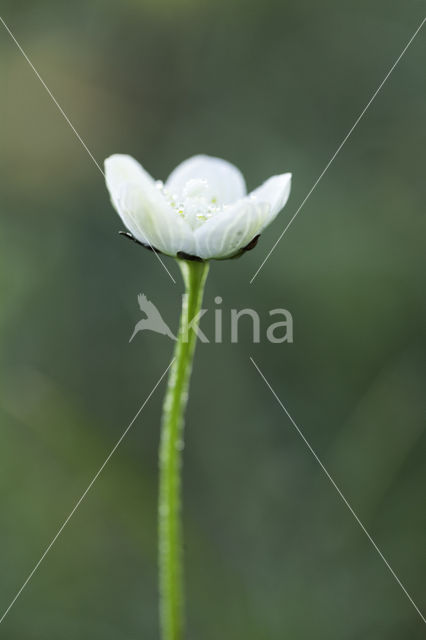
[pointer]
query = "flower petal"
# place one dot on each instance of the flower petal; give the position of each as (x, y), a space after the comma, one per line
(231, 229)
(275, 192)
(119, 171)
(226, 182)
(155, 220)
(143, 208)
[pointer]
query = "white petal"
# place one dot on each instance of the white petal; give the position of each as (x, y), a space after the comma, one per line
(226, 182)
(119, 171)
(275, 192)
(231, 229)
(155, 220)
(143, 208)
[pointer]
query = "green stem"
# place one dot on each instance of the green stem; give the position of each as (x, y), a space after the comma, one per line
(170, 458)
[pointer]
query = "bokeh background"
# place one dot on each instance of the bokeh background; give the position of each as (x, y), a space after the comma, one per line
(271, 551)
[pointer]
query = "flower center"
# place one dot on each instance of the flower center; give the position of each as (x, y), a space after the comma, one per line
(197, 203)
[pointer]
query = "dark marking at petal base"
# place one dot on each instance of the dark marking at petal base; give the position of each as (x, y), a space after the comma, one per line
(186, 256)
(130, 236)
(251, 245)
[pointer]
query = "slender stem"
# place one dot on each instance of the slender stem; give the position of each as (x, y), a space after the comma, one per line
(170, 458)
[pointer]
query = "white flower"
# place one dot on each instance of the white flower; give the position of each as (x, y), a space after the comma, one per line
(202, 210)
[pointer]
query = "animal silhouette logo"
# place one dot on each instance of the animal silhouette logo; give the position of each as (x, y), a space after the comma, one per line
(153, 320)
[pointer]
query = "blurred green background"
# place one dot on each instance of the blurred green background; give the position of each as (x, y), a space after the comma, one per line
(271, 551)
